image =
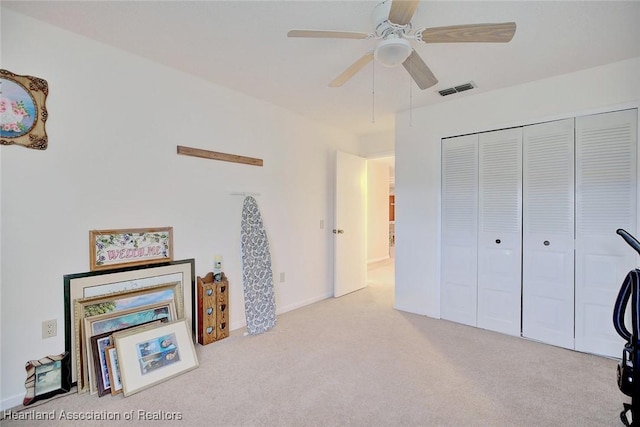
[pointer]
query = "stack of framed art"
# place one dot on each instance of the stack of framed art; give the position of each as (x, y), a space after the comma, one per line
(154, 354)
(129, 323)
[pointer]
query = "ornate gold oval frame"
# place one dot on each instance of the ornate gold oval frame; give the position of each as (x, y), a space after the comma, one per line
(38, 89)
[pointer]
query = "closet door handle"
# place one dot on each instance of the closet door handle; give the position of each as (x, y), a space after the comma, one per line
(546, 243)
(498, 241)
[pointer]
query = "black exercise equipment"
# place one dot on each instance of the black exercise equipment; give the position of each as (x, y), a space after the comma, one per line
(629, 367)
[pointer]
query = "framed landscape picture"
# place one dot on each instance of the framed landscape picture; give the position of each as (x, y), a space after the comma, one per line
(154, 355)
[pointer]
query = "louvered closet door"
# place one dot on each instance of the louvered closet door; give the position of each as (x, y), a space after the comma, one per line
(499, 234)
(548, 226)
(459, 284)
(605, 201)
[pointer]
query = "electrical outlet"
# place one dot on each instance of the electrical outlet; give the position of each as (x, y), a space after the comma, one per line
(281, 277)
(49, 328)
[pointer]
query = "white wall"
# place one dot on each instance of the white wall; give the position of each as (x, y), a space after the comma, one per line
(114, 123)
(376, 144)
(417, 151)
(377, 210)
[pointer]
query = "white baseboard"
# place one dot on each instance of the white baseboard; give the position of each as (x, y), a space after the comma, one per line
(413, 310)
(301, 304)
(384, 258)
(286, 308)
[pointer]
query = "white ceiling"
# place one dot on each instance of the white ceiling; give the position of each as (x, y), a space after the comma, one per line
(243, 45)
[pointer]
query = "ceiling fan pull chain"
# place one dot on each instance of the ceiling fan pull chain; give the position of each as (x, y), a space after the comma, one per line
(373, 92)
(410, 100)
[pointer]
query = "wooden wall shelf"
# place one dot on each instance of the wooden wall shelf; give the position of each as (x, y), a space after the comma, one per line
(214, 155)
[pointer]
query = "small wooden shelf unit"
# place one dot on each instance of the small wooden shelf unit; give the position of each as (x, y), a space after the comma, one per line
(213, 308)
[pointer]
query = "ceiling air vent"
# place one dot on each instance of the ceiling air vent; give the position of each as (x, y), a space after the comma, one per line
(456, 89)
(450, 91)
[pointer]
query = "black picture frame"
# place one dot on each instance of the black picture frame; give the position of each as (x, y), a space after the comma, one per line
(73, 282)
(47, 377)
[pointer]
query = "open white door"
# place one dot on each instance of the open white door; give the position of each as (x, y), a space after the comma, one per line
(350, 265)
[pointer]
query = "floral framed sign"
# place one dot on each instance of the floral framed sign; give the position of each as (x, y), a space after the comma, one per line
(134, 246)
(23, 112)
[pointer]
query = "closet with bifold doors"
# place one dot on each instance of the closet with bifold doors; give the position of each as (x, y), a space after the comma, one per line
(529, 216)
(499, 230)
(547, 235)
(481, 230)
(459, 251)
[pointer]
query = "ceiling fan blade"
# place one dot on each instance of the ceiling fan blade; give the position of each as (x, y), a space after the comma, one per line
(479, 33)
(327, 34)
(402, 11)
(420, 73)
(352, 70)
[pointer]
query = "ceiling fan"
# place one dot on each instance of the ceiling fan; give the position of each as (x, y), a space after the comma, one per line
(392, 23)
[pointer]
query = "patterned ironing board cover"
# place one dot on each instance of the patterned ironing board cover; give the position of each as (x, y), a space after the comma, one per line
(257, 277)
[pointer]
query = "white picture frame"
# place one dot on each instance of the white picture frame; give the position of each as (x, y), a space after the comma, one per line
(154, 355)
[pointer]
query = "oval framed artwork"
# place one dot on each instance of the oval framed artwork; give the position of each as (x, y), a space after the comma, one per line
(23, 112)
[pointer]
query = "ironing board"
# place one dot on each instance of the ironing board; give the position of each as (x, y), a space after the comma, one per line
(257, 277)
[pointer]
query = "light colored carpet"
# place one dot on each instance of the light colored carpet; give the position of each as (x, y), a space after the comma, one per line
(355, 361)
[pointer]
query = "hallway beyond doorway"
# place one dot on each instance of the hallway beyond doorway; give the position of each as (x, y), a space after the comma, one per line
(381, 273)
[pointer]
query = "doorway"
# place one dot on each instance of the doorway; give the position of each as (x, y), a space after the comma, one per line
(381, 220)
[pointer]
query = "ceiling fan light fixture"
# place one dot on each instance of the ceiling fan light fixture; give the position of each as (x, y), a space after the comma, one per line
(392, 51)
